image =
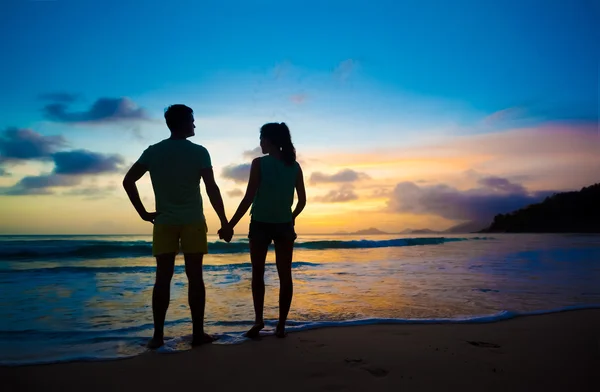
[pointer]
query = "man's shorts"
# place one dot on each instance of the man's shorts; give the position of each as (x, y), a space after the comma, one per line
(166, 238)
(267, 232)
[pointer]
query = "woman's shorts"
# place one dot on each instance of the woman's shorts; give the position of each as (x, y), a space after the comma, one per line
(262, 231)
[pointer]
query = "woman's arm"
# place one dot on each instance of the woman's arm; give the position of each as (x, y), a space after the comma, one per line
(301, 194)
(246, 202)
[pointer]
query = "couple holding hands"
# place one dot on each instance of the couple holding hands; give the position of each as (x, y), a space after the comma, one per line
(176, 166)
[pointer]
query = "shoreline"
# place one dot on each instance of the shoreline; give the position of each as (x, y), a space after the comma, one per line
(236, 338)
(555, 351)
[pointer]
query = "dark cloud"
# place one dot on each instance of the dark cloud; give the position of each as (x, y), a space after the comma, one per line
(103, 110)
(78, 162)
(4, 173)
(22, 144)
(254, 153)
(346, 175)
(61, 97)
(39, 185)
(237, 173)
(342, 195)
(494, 195)
(69, 169)
(235, 193)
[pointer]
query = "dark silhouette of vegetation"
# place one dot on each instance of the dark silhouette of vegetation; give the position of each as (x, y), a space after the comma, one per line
(568, 212)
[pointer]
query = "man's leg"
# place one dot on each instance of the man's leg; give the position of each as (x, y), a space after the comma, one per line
(161, 296)
(196, 296)
(194, 244)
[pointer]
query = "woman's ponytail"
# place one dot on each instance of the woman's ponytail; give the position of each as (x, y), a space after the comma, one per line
(288, 152)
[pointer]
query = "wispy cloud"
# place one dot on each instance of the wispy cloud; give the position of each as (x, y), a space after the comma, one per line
(345, 175)
(345, 69)
(235, 193)
(344, 194)
(60, 97)
(254, 153)
(104, 110)
(237, 173)
(298, 99)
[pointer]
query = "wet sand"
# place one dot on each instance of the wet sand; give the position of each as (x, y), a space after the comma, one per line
(555, 352)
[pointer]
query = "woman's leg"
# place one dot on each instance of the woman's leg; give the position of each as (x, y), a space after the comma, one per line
(284, 250)
(258, 255)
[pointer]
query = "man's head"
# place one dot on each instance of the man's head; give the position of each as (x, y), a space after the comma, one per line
(180, 120)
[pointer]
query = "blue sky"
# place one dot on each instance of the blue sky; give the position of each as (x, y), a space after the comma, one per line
(491, 55)
(348, 76)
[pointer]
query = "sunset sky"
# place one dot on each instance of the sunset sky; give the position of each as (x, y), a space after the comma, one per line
(405, 114)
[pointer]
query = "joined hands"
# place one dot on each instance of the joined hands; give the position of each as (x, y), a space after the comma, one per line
(225, 233)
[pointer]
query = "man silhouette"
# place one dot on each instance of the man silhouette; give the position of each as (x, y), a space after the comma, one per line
(176, 166)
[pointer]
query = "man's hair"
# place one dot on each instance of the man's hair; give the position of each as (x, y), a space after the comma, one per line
(177, 114)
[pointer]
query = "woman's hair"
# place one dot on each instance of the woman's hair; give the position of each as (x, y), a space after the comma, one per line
(279, 135)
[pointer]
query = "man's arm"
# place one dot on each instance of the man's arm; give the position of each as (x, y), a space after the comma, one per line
(214, 193)
(301, 190)
(246, 202)
(133, 175)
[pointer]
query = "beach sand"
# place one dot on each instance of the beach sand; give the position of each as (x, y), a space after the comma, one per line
(554, 352)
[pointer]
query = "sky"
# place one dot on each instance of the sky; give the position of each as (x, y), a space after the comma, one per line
(404, 114)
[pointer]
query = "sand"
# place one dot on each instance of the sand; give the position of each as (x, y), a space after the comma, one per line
(555, 352)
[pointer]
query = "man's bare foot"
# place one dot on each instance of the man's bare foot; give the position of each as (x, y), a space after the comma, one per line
(255, 330)
(204, 339)
(155, 342)
(280, 331)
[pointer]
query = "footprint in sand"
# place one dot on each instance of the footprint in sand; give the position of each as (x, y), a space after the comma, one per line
(354, 361)
(376, 371)
(483, 344)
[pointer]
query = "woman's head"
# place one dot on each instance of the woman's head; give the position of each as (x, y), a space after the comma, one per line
(276, 137)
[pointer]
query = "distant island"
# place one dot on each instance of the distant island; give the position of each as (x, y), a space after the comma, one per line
(567, 212)
(369, 231)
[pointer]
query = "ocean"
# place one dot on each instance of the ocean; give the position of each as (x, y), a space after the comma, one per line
(66, 298)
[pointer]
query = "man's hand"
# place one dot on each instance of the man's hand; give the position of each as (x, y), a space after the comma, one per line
(150, 216)
(226, 233)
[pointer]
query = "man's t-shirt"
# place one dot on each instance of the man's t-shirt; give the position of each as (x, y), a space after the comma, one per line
(174, 166)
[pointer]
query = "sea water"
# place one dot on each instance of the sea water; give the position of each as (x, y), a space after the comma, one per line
(66, 298)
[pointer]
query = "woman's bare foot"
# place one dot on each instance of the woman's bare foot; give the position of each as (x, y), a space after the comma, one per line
(204, 339)
(155, 342)
(255, 330)
(280, 331)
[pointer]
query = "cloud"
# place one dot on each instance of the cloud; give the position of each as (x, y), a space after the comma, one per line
(60, 97)
(345, 175)
(235, 193)
(39, 185)
(281, 70)
(254, 153)
(504, 115)
(4, 173)
(380, 192)
(69, 170)
(494, 195)
(104, 110)
(298, 99)
(25, 144)
(78, 162)
(237, 173)
(345, 69)
(344, 194)
(92, 192)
